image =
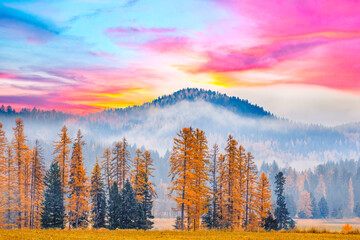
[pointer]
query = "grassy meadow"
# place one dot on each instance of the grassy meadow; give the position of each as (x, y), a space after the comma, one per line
(24, 234)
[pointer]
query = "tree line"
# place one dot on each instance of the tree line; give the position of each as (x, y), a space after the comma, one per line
(224, 190)
(118, 194)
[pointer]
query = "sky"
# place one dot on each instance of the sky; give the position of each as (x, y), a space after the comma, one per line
(298, 59)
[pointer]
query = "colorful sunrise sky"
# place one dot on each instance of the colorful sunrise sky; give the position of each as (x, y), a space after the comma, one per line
(298, 59)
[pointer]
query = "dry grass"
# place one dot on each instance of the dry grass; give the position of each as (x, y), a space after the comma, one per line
(147, 235)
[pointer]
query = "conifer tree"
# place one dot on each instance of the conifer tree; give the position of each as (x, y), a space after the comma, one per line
(10, 188)
(211, 219)
(116, 163)
(281, 212)
(180, 170)
(323, 208)
(131, 216)
(233, 199)
(27, 188)
(199, 164)
(264, 201)
(305, 206)
(62, 152)
(37, 185)
(138, 181)
(106, 168)
(114, 207)
(53, 215)
(78, 205)
(124, 162)
(20, 148)
(251, 203)
(314, 207)
(98, 200)
(3, 177)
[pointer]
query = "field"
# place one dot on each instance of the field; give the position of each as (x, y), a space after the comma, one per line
(163, 230)
(330, 224)
(147, 235)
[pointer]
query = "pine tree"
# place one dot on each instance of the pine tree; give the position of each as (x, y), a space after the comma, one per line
(114, 207)
(78, 205)
(314, 207)
(130, 214)
(62, 152)
(281, 212)
(323, 208)
(264, 198)
(106, 168)
(116, 164)
(53, 215)
(124, 162)
(20, 148)
(180, 170)
(37, 185)
(149, 191)
(98, 200)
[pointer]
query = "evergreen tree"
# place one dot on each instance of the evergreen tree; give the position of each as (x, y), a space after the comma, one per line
(130, 215)
(314, 207)
(281, 212)
(98, 200)
(114, 207)
(53, 215)
(323, 208)
(78, 188)
(270, 223)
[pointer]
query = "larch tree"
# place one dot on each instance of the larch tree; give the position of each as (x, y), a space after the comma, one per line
(180, 170)
(37, 185)
(124, 162)
(62, 151)
(27, 187)
(106, 169)
(250, 191)
(98, 200)
(221, 192)
(53, 214)
(78, 192)
(211, 219)
(149, 188)
(10, 189)
(232, 192)
(199, 165)
(242, 180)
(305, 208)
(116, 163)
(20, 149)
(138, 176)
(264, 198)
(3, 177)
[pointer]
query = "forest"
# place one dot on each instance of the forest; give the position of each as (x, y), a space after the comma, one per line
(211, 189)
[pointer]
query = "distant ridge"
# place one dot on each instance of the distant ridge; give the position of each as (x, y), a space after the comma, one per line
(235, 104)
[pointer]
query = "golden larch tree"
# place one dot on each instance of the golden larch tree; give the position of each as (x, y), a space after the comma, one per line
(62, 151)
(3, 174)
(106, 169)
(138, 176)
(264, 205)
(116, 163)
(250, 192)
(10, 176)
(78, 188)
(20, 148)
(180, 171)
(199, 165)
(37, 186)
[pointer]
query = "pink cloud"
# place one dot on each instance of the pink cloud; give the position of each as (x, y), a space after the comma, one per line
(129, 30)
(168, 44)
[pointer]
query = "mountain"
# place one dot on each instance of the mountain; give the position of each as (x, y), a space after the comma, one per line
(153, 126)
